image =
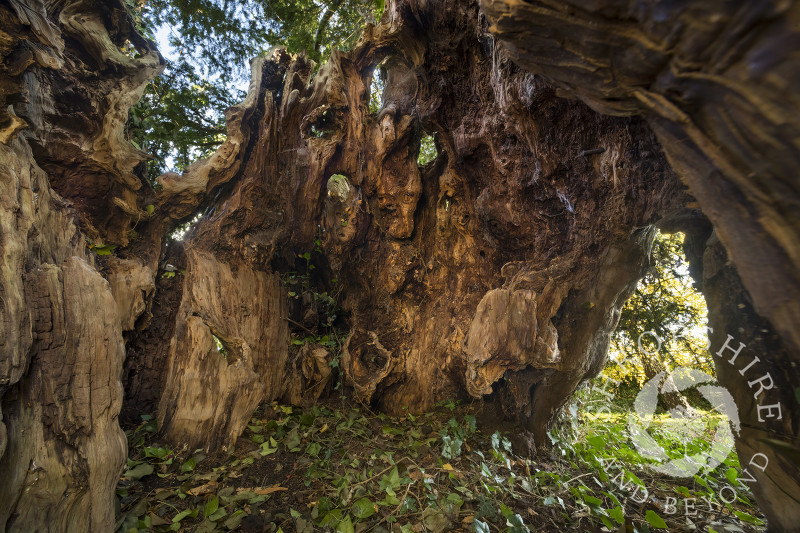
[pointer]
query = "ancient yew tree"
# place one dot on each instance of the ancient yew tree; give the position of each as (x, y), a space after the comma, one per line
(565, 135)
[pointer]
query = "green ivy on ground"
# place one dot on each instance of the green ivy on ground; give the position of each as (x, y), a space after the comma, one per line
(342, 468)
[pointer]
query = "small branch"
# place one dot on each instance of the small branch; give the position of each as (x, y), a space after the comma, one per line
(323, 24)
(299, 325)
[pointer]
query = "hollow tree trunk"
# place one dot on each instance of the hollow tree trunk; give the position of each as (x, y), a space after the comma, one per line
(497, 269)
(511, 252)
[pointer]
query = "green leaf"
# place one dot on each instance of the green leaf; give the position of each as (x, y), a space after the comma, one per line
(481, 527)
(617, 514)
(216, 515)
(748, 518)
(183, 514)
(333, 517)
(591, 500)
(345, 526)
(269, 447)
(139, 471)
(597, 442)
(104, 250)
(390, 480)
(292, 441)
(149, 209)
(363, 508)
(516, 524)
(732, 475)
(211, 507)
(630, 475)
(189, 465)
(313, 449)
(451, 447)
(235, 519)
(654, 520)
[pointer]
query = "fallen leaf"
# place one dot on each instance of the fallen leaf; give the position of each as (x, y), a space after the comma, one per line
(261, 490)
(206, 488)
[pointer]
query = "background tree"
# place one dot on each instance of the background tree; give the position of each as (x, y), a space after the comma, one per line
(667, 315)
(180, 117)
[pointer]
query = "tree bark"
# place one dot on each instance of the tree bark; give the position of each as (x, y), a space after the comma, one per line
(65, 176)
(713, 87)
(512, 251)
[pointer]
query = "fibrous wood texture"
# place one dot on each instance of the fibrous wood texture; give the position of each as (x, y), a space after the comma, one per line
(63, 162)
(717, 84)
(500, 264)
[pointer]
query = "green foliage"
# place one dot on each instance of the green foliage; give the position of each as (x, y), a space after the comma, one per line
(346, 469)
(666, 303)
(180, 116)
(427, 150)
(376, 88)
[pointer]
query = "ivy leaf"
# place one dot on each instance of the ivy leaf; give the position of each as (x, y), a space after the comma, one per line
(138, 472)
(292, 441)
(654, 520)
(189, 465)
(748, 518)
(313, 449)
(516, 524)
(345, 526)
(617, 514)
(451, 447)
(732, 475)
(269, 447)
(363, 508)
(481, 527)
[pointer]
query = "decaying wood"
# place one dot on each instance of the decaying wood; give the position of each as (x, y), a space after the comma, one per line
(210, 393)
(63, 161)
(512, 251)
(718, 85)
(496, 270)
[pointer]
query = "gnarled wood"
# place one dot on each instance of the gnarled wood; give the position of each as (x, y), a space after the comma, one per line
(65, 170)
(497, 270)
(717, 84)
(531, 196)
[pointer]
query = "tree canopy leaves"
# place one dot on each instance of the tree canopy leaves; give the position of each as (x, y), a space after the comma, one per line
(666, 315)
(181, 114)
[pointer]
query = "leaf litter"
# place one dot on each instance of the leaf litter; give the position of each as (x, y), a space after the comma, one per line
(339, 467)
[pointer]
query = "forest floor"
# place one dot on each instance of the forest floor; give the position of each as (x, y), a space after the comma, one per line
(340, 467)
